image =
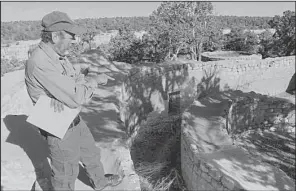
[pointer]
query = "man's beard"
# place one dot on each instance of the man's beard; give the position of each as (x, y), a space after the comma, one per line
(59, 52)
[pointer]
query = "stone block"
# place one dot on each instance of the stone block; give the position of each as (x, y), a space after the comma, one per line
(278, 110)
(184, 144)
(187, 163)
(198, 172)
(264, 106)
(216, 174)
(273, 106)
(206, 177)
(217, 185)
(193, 147)
(190, 155)
(188, 172)
(195, 179)
(196, 160)
(209, 187)
(202, 184)
(196, 169)
(188, 159)
(228, 183)
(203, 167)
(187, 181)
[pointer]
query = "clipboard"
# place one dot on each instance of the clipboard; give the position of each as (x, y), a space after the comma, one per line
(55, 123)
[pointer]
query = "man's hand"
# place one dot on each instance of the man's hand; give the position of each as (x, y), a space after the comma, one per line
(94, 80)
(80, 79)
(102, 79)
(57, 105)
(91, 82)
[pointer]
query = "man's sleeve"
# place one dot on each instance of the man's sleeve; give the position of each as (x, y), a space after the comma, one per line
(63, 88)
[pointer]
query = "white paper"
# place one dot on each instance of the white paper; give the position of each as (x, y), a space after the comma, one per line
(44, 117)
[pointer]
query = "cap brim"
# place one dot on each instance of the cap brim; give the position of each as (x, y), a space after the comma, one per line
(77, 30)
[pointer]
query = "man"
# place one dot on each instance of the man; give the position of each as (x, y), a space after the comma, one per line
(48, 72)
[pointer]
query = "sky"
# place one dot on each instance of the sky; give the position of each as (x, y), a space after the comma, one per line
(15, 11)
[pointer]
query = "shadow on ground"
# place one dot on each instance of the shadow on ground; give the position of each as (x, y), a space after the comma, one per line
(249, 172)
(101, 116)
(276, 148)
(27, 137)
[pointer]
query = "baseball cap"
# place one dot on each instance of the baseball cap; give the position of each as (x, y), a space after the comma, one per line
(58, 21)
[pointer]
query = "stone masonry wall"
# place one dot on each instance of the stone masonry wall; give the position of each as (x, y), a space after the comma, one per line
(20, 52)
(146, 90)
(241, 75)
(251, 113)
(247, 65)
(212, 56)
(197, 173)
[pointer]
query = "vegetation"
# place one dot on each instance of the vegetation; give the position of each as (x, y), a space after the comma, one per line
(238, 40)
(11, 65)
(189, 28)
(284, 37)
(174, 29)
(30, 30)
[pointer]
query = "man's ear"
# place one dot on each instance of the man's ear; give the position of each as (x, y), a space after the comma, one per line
(55, 37)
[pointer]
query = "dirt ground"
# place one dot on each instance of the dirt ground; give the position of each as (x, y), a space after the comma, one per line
(24, 154)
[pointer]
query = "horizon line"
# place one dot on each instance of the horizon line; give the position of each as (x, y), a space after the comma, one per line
(137, 16)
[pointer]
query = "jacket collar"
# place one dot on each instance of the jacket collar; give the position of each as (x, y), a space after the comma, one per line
(50, 52)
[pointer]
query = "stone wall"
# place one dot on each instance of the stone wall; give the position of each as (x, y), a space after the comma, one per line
(216, 56)
(252, 75)
(209, 158)
(261, 112)
(241, 66)
(146, 89)
(18, 50)
(198, 173)
(207, 151)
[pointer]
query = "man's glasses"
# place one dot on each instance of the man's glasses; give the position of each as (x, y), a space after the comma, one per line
(73, 36)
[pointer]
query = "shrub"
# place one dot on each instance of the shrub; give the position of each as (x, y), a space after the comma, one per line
(238, 40)
(11, 65)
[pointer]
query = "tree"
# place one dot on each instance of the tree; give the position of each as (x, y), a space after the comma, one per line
(182, 25)
(234, 40)
(215, 41)
(168, 28)
(201, 23)
(120, 46)
(285, 33)
(90, 34)
(239, 40)
(267, 46)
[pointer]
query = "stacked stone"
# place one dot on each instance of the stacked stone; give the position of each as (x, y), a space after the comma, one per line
(145, 76)
(208, 56)
(199, 174)
(245, 65)
(261, 113)
(174, 103)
